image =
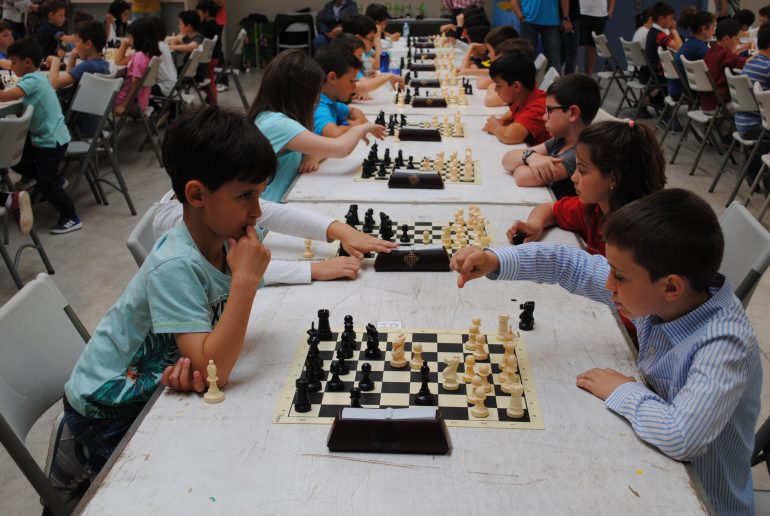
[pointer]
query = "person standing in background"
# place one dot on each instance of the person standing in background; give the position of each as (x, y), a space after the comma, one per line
(455, 7)
(141, 8)
(593, 18)
(540, 19)
(328, 20)
(13, 12)
(569, 38)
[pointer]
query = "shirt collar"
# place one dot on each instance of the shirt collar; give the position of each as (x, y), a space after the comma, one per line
(325, 99)
(656, 26)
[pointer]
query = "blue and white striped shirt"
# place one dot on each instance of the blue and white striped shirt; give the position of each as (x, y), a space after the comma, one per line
(703, 371)
(757, 70)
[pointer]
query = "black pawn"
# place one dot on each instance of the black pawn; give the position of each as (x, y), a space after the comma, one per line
(341, 365)
(404, 234)
(518, 238)
(400, 159)
(301, 397)
(401, 63)
(366, 169)
(366, 384)
(424, 396)
(410, 165)
(382, 172)
(346, 345)
(355, 397)
(403, 120)
(408, 77)
(416, 92)
(335, 384)
(386, 158)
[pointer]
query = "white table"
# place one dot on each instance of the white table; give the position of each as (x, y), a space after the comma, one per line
(334, 181)
(188, 457)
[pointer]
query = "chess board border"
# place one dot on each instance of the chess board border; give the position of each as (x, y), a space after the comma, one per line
(286, 397)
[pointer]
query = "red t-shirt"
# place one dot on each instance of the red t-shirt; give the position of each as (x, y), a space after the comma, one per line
(570, 214)
(717, 59)
(221, 17)
(531, 117)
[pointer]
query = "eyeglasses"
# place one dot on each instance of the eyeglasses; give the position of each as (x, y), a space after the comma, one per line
(550, 109)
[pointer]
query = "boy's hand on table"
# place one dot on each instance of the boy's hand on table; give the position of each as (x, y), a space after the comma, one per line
(248, 258)
(180, 377)
(473, 262)
(335, 268)
(533, 232)
(602, 382)
(357, 243)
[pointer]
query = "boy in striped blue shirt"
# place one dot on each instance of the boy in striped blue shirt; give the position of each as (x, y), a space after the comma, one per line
(698, 353)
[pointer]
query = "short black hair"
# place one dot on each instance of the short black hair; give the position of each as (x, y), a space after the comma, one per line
(763, 36)
(499, 34)
(50, 7)
(207, 6)
(358, 25)
(744, 17)
(474, 13)
(92, 31)
(216, 146)
(348, 41)
(145, 35)
(660, 10)
(764, 11)
(337, 59)
(577, 90)
(82, 16)
(670, 232)
(516, 66)
(118, 7)
(4, 26)
(728, 28)
(513, 45)
(377, 12)
(477, 33)
(642, 17)
(191, 18)
(26, 48)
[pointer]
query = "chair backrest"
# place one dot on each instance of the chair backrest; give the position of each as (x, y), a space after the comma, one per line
(763, 103)
(298, 27)
(13, 133)
(740, 92)
(240, 41)
(95, 95)
(151, 75)
(747, 250)
(604, 116)
(550, 76)
(603, 49)
(191, 66)
(698, 76)
(541, 65)
(142, 238)
(208, 49)
(634, 53)
(283, 20)
(667, 61)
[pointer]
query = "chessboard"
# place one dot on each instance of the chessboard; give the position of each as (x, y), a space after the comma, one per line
(374, 168)
(397, 387)
(447, 127)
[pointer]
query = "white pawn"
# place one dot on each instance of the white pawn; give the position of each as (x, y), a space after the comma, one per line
(480, 353)
(449, 374)
(397, 359)
(480, 410)
(508, 345)
(470, 344)
(308, 254)
(477, 321)
(416, 362)
(516, 405)
(502, 321)
(469, 373)
(484, 372)
(213, 395)
(426, 237)
(476, 383)
(511, 374)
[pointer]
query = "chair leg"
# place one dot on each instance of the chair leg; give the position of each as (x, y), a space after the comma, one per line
(151, 135)
(722, 167)
(41, 252)
(745, 169)
(702, 147)
(121, 182)
(11, 267)
(94, 171)
(755, 183)
(685, 130)
(238, 86)
(763, 209)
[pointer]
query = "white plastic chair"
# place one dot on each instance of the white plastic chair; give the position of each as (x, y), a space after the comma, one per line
(541, 65)
(229, 70)
(292, 29)
(41, 334)
(671, 73)
(747, 251)
(743, 101)
(612, 73)
(13, 134)
(550, 76)
(636, 57)
(604, 116)
(141, 239)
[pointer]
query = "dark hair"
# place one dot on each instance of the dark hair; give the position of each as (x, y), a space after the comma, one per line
(216, 146)
(4, 26)
(348, 41)
(660, 10)
(475, 20)
(631, 152)
(50, 7)
(358, 25)
(117, 8)
(477, 33)
(191, 18)
(377, 12)
(694, 20)
(744, 17)
(642, 17)
(513, 45)
(145, 36)
(577, 90)
(500, 34)
(670, 232)
(290, 85)
(82, 16)
(727, 28)
(764, 11)
(337, 59)
(92, 31)
(207, 6)
(160, 27)
(763, 36)
(26, 48)
(516, 66)
(474, 12)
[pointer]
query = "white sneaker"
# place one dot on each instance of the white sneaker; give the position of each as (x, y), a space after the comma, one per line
(222, 87)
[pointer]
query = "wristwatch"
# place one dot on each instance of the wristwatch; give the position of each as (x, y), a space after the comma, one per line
(565, 18)
(526, 154)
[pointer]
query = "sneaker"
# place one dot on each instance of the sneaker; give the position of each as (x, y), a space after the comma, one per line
(21, 209)
(63, 182)
(222, 87)
(66, 226)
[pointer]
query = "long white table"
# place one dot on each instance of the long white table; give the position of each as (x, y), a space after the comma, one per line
(335, 179)
(190, 457)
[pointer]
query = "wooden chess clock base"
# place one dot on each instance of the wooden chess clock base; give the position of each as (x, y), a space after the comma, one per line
(419, 134)
(416, 179)
(419, 259)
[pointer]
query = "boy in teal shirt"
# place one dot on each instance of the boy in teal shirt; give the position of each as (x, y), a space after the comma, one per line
(332, 116)
(193, 295)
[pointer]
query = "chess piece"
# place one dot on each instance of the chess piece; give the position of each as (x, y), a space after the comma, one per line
(477, 321)
(518, 238)
(510, 376)
(372, 342)
(324, 331)
(484, 372)
(416, 361)
(502, 325)
(368, 221)
(404, 234)
(476, 383)
(301, 397)
(426, 239)
(424, 396)
(353, 213)
(355, 397)
(516, 404)
(341, 365)
(335, 384)
(526, 318)
(308, 254)
(213, 395)
(313, 384)
(470, 344)
(508, 345)
(397, 359)
(410, 165)
(480, 410)
(366, 384)
(470, 362)
(449, 374)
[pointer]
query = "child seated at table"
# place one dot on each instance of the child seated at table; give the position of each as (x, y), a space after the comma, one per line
(51, 35)
(116, 20)
(382, 39)
(167, 74)
(143, 38)
(365, 85)
(333, 116)
(479, 56)
(662, 35)
(89, 42)
(48, 135)
(491, 98)
(283, 111)
(207, 11)
(369, 78)
(721, 55)
(193, 295)
(6, 40)
(188, 39)
(514, 77)
(698, 398)
(571, 104)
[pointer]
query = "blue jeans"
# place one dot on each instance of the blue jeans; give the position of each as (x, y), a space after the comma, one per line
(550, 37)
(99, 436)
(569, 49)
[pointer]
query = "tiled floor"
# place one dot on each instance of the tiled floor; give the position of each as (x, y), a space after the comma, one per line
(93, 266)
